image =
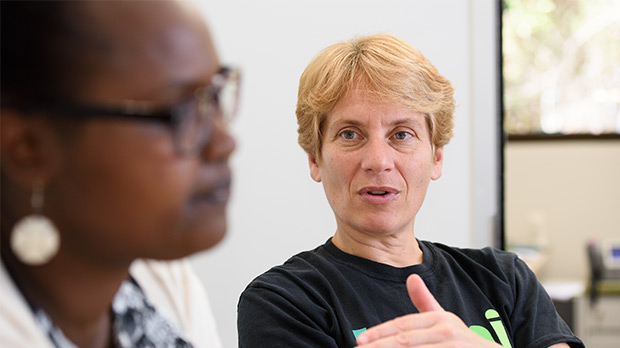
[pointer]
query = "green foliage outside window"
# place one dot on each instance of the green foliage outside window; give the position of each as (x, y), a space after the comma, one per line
(561, 66)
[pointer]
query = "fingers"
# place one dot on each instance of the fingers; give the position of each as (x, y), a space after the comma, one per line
(397, 330)
(432, 326)
(421, 297)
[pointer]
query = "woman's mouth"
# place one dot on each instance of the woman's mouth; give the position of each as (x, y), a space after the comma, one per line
(378, 195)
(217, 194)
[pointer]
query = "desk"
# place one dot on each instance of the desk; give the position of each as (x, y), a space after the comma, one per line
(598, 324)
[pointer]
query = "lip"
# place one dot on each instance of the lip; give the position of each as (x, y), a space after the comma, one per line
(388, 194)
(219, 193)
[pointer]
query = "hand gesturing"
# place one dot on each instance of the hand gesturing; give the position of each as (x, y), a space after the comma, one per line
(432, 327)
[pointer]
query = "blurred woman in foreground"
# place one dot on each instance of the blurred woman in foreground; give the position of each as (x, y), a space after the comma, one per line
(114, 149)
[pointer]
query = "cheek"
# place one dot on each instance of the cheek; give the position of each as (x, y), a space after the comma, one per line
(127, 196)
(151, 190)
(337, 173)
(339, 177)
(146, 173)
(417, 174)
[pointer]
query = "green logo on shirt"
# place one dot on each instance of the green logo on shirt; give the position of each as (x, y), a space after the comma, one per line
(493, 318)
(498, 327)
(358, 332)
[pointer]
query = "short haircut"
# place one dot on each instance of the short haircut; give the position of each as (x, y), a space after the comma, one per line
(390, 69)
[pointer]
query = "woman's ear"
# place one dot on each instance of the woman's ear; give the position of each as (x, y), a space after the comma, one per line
(28, 149)
(437, 164)
(314, 168)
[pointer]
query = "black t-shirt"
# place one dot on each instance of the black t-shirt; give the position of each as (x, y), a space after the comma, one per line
(326, 297)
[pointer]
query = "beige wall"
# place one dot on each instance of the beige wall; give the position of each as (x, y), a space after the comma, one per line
(561, 194)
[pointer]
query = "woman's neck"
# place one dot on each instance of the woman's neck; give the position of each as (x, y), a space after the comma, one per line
(76, 297)
(397, 250)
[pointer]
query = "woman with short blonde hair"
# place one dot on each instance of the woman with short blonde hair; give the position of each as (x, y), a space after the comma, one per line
(374, 116)
(391, 69)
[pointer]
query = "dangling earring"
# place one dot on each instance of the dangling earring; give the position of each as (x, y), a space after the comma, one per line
(34, 239)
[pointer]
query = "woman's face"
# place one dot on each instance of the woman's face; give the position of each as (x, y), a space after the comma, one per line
(121, 190)
(376, 164)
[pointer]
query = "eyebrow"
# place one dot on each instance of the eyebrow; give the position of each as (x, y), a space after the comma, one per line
(409, 121)
(402, 121)
(348, 122)
(180, 85)
(186, 84)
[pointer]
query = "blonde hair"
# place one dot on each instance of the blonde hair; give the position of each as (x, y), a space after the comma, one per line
(390, 69)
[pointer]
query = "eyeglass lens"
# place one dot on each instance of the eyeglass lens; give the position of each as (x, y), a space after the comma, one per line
(196, 116)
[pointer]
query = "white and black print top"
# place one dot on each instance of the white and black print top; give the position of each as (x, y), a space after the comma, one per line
(137, 324)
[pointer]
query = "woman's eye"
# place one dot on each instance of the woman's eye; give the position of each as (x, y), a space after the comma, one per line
(402, 136)
(348, 135)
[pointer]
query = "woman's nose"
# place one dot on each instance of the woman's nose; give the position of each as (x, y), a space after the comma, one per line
(221, 144)
(377, 156)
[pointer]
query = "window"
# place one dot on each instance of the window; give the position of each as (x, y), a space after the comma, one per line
(561, 67)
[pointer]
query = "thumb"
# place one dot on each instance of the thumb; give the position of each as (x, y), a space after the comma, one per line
(421, 297)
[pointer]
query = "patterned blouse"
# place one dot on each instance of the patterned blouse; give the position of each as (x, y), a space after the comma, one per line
(137, 324)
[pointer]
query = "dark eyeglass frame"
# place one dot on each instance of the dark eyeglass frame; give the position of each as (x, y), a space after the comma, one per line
(210, 105)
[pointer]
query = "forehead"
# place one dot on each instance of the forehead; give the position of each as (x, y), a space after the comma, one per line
(361, 106)
(148, 46)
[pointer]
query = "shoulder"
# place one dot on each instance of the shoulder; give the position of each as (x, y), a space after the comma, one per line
(293, 304)
(483, 266)
(299, 269)
(18, 327)
(302, 281)
(164, 281)
(485, 253)
(491, 258)
(176, 291)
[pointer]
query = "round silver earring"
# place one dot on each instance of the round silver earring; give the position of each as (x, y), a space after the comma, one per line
(34, 239)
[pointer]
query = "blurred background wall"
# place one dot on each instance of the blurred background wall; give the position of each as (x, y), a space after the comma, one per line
(559, 196)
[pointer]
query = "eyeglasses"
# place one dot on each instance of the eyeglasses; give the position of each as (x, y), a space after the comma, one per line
(191, 120)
